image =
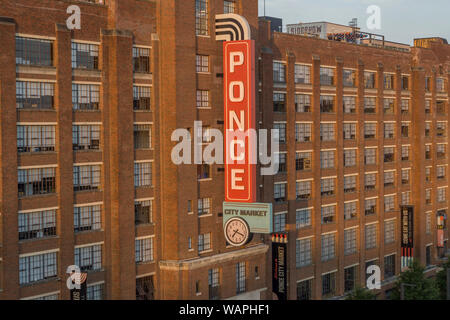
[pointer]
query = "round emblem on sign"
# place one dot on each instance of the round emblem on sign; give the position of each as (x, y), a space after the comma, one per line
(236, 232)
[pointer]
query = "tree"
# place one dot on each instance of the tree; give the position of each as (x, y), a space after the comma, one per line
(416, 285)
(441, 281)
(361, 294)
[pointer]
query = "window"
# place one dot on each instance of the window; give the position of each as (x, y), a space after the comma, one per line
(35, 138)
(326, 76)
(427, 128)
(141, 98)
(89, 258)
(202, 99)
(204, 206)
(440, 151)
(350, 241)
(370, 207)
(406, 176)
(142, 136)
(34, 95)
(303, 252)
(349, 105)
(303, 132)
(329, 285)
(427, 84)
(95, 292)
(303, 103)
(303, 218)
(203, 171)
(405, 83)
(281, 127)
(389, 203)
(440, 107)
(371, 236)
(84, 56)
(143, 250)
(303, 190)
(279, 102)
(37, 224)
(34, 52)
(327, 132)
(327, 187)
(328, 247)
(86, 177)
(36, 181)
(428, 196)
(349, 78)
(303, 161)
(202, 63)
(441, 129)
(442, 194)
(85, 96)
(145, 288)
(229, 6)
(213, 284)
(328, 214)
(47, 297)
(405, 153)
(279, 72)
(327, 159)
(350, 158)
(370, 104)
(405, 106)
(389, 231)
(350, 278)
(370, 156)
(370, 130)
(405, 129)
(406, 198)
(428, 223)
(143, 212)
(304, 290)
(389, 130)
(141, 60)
(389, 179)
(369, 80)
(389, 105)
(87, 218)
(279, 222)
(389, 266)
(142, 174)
(427, 106)
(389, 154)
(440, 85)
(327, 104)
(350, 210)
(302, 74)
(349, 184)
(279, 190)
(240, 277)
(85, 137)
(428, 151)
(370, 181)
(441, 172)
(37, 267)
(388, 81)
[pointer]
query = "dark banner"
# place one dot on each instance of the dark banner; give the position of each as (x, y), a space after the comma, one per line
(407, 228)
(279, 270)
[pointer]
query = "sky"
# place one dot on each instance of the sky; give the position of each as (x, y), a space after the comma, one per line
(401, 20)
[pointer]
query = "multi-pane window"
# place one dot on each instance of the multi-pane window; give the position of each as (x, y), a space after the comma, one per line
(142, 174)
(303, 161)
(350, 184)
(203, 171)
(303, 132)
(329, 285)
(405, 129)
(428, 196)
(440, 85)
(427, 106)
(388, 81)
(143, 211)
(389, 154)
(428, 151)
(327, 131)
(389, 178)
(86, 177)
(440, 107)
(304, 290)
(35, 138)
(143, 249)
(349, 104)
(303, 189)
(303, 218)
(229, 6)
(201, 18)
(441, 172)
(35, 52)
(427, 84)
(350, 278)
(328, 214)
(389, 231)
(326, 104)
(350, 210)
(349, 78)
(34, 95)
(370, 104)
(240, 277)
(95, 292)
(37, 267)
(389, 106)
(327, 159)
(371, 236)
(428, 223)
(279, 72)
(202, 99)
(142, 136)
(87, 218)
(279, 102)
(37, 224)
(89, 258)
(369, 80)
(36, 181)
(406, 173)
(85, 96)
(141, 60)
(370, 181)
(302, 74)
(141, 98)
(47, 297)
(389, 130)
(328, 246)
(202, 63)
(326, 76)
(441, 194)
(406, 198)
(84, 56)
(303, 103)
(440, 150)
(86, 137)
(405, 83)
(350, 241)
(204, 206)
(303, 252)
(350, 157)
(405, 153)
(370, 156)
(389, 203)
(213, 283)
(405, 106)
(441, 129)
(279, 222)
(389, 266)
(281, 127)
(370, 130)
(279, 192)
(327, 187)
(428, 174)
(370, 206)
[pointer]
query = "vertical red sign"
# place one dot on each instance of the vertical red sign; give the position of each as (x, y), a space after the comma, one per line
(239, 107)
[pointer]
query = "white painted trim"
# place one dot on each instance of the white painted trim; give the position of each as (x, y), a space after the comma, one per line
(37, 167)
(37, 210)
(91, 204)
(24, 255)
(41, 295)
(36, 80)
(89, 245)
(27, 35)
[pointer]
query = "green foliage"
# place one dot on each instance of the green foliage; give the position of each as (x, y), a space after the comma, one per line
(441, 281)
(361, 294)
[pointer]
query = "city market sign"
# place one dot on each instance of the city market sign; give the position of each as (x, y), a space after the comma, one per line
(258, 216)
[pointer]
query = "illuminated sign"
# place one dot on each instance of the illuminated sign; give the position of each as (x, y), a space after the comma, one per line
(257, 215)
(279, 267)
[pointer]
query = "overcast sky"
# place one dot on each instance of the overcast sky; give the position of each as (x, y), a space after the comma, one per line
(401, 20)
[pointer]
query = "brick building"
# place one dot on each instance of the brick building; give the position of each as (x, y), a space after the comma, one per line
(86, 118)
